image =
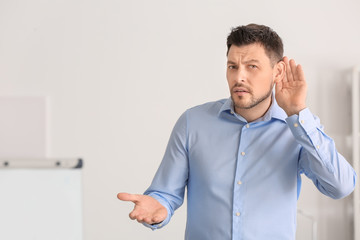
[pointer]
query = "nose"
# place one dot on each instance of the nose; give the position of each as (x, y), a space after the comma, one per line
(240, 75)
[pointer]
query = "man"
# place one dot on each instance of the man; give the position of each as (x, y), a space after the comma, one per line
(241, 158)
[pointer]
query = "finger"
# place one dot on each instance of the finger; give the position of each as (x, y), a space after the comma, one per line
(136, 213)
(300, 73)
(140, 219)
(284, 78)
(289, 74)
(293, 69)
(157, 219)
(133, 215)
(285, 60)
(147, 220)
(128, 197)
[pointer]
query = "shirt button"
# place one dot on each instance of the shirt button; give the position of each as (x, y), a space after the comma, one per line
(237, 214)
(296, 125)
(243, 153)
(302, 121)
(247, 125)
(239, 182)
(317, 146)
(232, 112)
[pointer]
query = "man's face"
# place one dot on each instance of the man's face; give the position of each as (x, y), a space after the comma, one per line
(250, 76)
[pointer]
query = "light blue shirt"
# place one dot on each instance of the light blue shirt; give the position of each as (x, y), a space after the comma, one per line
(243, 179)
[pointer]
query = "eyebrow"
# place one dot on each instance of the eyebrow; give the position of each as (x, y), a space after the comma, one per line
(251, 61)
(231, 62)
(246, 62)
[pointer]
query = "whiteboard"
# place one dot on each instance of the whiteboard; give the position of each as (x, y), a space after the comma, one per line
(40, 204)
(40, 198)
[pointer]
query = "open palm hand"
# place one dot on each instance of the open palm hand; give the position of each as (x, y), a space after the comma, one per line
(290, 92)
(147, 209)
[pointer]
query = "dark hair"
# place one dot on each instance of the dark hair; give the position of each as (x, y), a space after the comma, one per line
(254, 33)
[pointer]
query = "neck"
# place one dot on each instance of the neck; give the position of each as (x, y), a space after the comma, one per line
(255, 112)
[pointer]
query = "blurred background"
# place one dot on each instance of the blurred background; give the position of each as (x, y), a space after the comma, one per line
(118, 74)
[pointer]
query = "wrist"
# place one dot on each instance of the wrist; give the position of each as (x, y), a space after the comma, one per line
(294, 111)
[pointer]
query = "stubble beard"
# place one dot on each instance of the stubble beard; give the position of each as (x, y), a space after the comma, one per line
(253, 101)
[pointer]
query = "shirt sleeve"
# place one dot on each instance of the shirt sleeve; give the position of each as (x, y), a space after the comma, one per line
(319, 159)
(168, 185)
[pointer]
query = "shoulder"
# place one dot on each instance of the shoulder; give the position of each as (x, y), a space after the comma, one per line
(208, 107)
(204, 113)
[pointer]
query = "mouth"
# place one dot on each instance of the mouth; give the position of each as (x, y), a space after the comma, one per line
(241, 91)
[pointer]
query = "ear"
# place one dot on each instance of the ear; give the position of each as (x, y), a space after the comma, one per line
(279, 71)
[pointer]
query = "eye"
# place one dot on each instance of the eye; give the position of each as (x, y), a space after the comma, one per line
(231, 67)
(252, 66)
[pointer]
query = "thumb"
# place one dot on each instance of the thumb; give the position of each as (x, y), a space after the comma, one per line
(128, 197)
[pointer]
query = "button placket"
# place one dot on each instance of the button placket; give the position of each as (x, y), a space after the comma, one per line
(238, 183)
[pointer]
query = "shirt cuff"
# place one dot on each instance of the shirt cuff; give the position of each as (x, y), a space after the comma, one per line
(302, 124)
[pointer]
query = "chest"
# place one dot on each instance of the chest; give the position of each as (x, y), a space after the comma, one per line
(219, 153)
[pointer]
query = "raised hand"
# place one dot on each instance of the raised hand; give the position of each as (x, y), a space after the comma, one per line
(290, 92)
(147, 209)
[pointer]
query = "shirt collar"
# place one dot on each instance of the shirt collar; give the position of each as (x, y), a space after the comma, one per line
(274, 111)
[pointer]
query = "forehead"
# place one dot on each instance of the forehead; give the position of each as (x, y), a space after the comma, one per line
(247, 52)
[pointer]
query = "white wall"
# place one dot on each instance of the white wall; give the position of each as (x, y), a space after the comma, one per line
(119, 74)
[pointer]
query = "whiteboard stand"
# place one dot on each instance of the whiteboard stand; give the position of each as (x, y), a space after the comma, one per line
(41, 199)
